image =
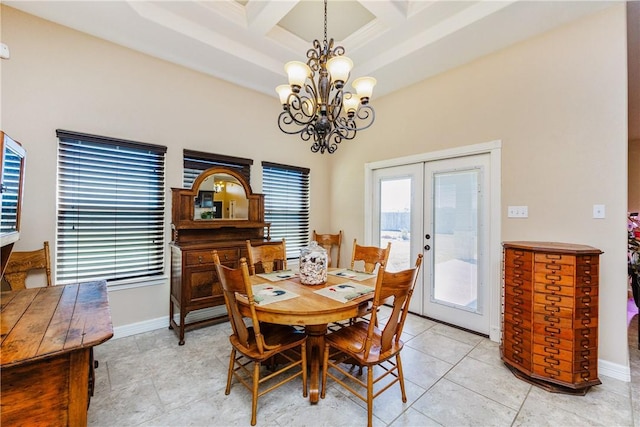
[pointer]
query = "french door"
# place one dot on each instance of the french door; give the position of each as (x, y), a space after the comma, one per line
(440, 208)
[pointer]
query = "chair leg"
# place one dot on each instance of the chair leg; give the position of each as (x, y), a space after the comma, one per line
(254, 398)
(369, 396)
(401, 378)
(232, 365)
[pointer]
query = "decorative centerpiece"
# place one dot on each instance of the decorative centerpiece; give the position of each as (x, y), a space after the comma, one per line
(313, 264)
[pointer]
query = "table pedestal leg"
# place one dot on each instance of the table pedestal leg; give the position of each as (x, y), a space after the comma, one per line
(315, 353)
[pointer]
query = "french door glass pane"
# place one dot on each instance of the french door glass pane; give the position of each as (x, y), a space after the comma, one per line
(395, 221)
(455, 213)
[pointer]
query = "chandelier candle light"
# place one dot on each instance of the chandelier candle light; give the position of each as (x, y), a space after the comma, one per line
(315, 103)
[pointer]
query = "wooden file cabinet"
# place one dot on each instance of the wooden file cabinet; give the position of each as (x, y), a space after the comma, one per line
(550, 314)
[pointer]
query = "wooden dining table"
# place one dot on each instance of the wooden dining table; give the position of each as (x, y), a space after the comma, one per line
(314, 312)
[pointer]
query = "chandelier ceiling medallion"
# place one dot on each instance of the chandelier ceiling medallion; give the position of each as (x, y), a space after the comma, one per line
(315, 104)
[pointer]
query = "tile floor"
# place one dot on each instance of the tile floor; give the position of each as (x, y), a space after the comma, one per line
(453, 378)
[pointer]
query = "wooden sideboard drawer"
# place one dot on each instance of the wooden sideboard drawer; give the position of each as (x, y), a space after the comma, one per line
(206, 256)
(518, 259)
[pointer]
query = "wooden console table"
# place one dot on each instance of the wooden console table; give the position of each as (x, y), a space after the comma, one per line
(47, 339)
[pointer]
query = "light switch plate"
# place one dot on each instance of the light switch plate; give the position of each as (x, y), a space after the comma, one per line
(598, 211)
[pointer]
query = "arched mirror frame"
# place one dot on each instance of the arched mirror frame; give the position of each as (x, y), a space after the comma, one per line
(186, 228)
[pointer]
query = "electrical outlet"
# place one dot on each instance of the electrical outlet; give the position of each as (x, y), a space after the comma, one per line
(518, 211)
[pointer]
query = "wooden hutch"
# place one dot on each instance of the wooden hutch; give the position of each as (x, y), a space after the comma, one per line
(220, 211)
(550, 314)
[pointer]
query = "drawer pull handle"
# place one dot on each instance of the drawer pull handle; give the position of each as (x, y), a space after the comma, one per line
(552, 266)
(552, 277)
(551, 361)
(585, 332)
(518, 300)
(552, 340)
(517, 282)
(517, 310)
(551, 330)
(226, 257)
(518, 329)
(200, 259)
(553, 288)
(552, 350)
(552, 308)
(517, 359)
(586, 321)
(584, 343)
(553, 298)
(518, 291)
(552, 372)
(551, 319)
(553, 257)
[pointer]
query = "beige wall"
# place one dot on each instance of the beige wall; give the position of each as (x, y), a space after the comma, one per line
(60, 78)
(558, 103)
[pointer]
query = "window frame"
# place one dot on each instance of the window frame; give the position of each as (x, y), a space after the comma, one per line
(88, 171)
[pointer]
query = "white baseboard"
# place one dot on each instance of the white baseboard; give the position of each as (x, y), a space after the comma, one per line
(163, 322)
(614, 370)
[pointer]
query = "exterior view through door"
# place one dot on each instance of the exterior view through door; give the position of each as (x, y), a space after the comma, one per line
(439, 208)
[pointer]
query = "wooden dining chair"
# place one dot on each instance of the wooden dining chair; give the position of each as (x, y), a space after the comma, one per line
(370, 256)
(267, 257)
(257, 343)
(21, 264)
(367, 346)
(329, 242)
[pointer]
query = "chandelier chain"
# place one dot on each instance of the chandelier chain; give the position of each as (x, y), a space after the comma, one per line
(325, 22)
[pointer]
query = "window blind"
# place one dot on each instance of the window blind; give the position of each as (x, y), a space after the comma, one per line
(110, 208)
(286, 199)
(197, 161)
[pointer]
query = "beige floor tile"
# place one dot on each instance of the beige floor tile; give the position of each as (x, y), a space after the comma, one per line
(453, 405)
(494, 382)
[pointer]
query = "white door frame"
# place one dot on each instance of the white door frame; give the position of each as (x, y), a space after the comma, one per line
(494, 149)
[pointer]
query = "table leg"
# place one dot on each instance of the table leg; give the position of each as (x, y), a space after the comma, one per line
(315, 346)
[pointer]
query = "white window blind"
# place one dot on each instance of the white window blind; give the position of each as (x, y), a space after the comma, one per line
(195, 162)
(111, 201)
(286, 199)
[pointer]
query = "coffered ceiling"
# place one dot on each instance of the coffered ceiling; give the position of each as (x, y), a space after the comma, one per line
(246, 42)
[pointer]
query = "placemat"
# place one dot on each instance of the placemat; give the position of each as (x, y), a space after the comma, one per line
(276, 276)
(345, 291)
(353, 275)
(266, 293)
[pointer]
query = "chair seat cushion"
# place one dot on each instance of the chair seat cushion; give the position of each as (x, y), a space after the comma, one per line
(350, 338)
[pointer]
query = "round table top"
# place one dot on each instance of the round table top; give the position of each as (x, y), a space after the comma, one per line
(309, 307)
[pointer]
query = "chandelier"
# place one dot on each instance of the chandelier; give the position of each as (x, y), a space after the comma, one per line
(316, 105)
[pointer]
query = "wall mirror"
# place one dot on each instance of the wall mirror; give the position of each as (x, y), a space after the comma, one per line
(221, 196)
